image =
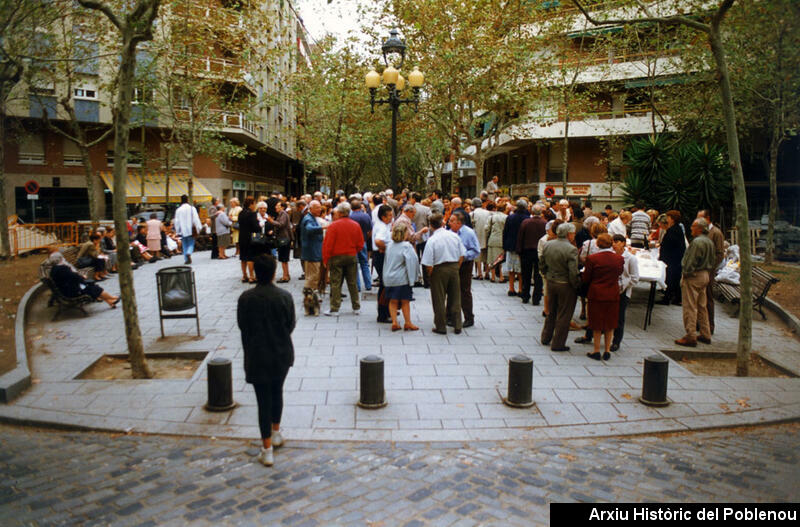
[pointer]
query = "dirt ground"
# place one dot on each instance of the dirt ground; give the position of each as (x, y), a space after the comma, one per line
(113, 368)
(18, 276)
(787, 291)
(726, 367)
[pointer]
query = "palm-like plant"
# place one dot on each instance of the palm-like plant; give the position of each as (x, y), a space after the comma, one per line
(708, 163)
(649, 156)
(677, 186)
(636, 188)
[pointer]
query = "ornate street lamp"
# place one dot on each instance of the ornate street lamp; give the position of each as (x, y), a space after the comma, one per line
(395, 85)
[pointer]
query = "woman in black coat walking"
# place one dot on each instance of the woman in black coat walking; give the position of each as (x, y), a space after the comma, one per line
(248, 224)
(266, 318)
(673, 245)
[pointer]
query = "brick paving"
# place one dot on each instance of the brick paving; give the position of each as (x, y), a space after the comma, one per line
(70, 478)
(439, 388)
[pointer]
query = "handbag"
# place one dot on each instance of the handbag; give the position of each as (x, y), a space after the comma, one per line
(282, 242)
(235, 225)
(84, 261)
(259, 239)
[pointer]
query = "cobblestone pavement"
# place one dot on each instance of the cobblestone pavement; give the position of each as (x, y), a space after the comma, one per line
(52, 478)
(439, 388)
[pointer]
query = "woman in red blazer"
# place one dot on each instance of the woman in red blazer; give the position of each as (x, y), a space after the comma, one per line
(602, 273)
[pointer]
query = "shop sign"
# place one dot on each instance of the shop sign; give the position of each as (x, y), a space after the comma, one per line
(239, 185)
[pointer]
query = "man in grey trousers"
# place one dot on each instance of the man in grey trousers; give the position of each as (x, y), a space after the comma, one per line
(559, 265)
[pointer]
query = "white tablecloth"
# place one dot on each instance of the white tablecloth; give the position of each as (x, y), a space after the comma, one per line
(651, 269)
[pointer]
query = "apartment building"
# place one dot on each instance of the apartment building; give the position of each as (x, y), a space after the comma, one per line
(608, 105)
(239, 121)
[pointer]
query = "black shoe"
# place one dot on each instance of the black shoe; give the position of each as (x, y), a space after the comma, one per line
(664, 302)
(190, 259)
(562, 348)
(512, 293)
(302, 277)
(606, 355)
(595, 356)
(545, 343)
(450, 323)
(614, 347)
(457, 331)
(439, 332)
(526, 300)
(535, 302)
(583, 340)
(384, 320)
(544, 314)
(468, 324)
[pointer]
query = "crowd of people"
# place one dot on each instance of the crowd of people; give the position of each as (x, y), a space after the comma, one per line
(557, 253)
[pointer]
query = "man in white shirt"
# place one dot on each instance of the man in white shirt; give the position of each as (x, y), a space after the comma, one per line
(619, 224)
(185, 218)
(628, 279)
(480, 222)
(381, 236)
(442, 258)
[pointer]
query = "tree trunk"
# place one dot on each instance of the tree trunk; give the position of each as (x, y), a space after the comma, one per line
(744, 343)
(565, 156)
(5, 242)
(94, 215)
(774, 148)
(133, 334)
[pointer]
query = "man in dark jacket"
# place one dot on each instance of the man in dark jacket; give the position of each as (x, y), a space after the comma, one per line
(311, 234)
(530, 232)
(266, 318)
(510, 234)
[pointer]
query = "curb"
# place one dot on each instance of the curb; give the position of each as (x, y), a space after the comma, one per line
(13, 383)
(792, 321)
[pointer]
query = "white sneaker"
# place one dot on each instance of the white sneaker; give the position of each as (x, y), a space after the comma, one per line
(265, 457)
(277, 439)
(329, 313)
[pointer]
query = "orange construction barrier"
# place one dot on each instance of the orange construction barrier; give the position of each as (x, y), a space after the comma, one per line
(33, 236)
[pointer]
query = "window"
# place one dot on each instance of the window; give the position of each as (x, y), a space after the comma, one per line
(142, 95)
(84, 93)
(42, 90)
(72, 154)
(31, 150)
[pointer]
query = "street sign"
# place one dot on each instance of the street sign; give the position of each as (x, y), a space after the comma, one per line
(33, 196)
(549, 192)
(32, 187)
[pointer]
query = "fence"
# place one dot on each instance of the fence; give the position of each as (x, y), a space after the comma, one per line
(29, 237)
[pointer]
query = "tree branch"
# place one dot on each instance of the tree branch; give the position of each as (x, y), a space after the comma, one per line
(103, 8)
(671, 20)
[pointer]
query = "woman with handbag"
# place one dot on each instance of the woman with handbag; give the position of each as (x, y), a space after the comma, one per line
(248, 226)
(282, 225)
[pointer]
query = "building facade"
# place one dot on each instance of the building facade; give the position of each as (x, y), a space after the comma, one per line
(210, 102)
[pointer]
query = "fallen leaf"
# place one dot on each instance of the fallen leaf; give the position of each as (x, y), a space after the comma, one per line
(36, 381)
(568, 457)
(743, 402)
(627, 396)
(725, 407)
(622, 416)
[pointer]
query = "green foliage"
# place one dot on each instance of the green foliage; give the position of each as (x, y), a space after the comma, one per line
(686, 176)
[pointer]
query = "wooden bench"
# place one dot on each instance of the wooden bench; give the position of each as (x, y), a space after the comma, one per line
(57, 298)
(71, 256)
(762, 281)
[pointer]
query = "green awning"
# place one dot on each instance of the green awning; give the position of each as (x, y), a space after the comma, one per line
(595, 32)
(661, 81)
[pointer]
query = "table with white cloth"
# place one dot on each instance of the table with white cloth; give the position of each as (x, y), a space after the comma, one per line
(654, 271)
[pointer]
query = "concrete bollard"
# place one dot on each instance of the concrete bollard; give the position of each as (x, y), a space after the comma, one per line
(373, 394)
(654, 381)
(220, 385)
(520, 382)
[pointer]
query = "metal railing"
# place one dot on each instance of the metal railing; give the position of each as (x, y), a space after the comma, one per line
(26, 237)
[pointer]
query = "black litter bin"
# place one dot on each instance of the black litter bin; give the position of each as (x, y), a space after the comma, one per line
(177, 292)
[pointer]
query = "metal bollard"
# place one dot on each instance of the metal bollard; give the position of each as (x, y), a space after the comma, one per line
(520, 382)
(373, 394)
(654, 381)
(220, 385)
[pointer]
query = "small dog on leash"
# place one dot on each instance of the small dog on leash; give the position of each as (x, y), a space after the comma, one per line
(311, 301)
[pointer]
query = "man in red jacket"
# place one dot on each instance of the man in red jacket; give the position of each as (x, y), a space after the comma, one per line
(342, 243)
